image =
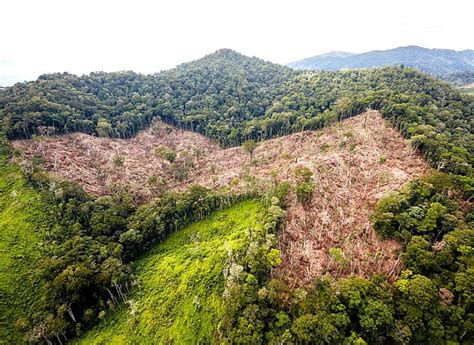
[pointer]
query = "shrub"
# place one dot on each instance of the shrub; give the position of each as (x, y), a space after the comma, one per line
(304, 184)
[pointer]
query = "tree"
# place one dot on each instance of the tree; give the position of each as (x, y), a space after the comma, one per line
(166, 153)
(249, 147)
(304, 183)
(118, 161)
(315, 329)
(104, 128)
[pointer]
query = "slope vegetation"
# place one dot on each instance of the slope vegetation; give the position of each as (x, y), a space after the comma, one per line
(353, 164)
(23, 218)
(232, 98)
(179, 298)
(205, 95)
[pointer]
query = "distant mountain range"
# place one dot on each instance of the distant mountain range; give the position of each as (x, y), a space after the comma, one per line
(433, 61)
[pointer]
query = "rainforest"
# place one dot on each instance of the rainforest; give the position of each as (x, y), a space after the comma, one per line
(238, 201)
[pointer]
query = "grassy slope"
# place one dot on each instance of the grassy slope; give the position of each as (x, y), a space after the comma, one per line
(22, 218)
(179, 300)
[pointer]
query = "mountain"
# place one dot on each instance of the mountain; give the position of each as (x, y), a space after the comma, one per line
(336, 54)
(206, 95)
(225, 96)
(433, 61)
(105, 179)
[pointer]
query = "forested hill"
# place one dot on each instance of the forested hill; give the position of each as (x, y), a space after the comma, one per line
(433, 61)
(219, 89)
(232, 98)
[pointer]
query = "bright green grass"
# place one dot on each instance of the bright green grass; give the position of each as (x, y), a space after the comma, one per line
(179, 301)
(22, 221)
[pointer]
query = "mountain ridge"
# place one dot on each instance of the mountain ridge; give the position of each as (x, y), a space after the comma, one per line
(435, 61)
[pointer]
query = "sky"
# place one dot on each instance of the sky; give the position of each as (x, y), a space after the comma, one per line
(81, 36)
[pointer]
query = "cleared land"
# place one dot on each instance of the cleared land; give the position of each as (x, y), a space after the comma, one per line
(181, 284)
(92, 162)
(354, 163)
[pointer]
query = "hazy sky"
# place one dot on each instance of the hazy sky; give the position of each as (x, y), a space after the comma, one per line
(80, 36)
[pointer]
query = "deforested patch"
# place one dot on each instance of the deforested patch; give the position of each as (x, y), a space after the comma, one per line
(100, 165)
(353, 164)
(362, 160)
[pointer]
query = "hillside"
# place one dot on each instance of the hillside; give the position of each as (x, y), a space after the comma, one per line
(355, 244)
(225, 96)
(433, 61)
(460, 79)
(205, 95)
(23, 222)
(361, 153)
(181, 283)
(100, 164)
(231, 98)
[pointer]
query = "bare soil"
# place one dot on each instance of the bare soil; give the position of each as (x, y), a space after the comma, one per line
(354, 163)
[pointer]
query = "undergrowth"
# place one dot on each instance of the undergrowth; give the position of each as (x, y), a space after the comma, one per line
(181, 283)
(23, 219)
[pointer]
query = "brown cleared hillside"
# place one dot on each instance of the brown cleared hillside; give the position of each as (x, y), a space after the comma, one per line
(89, 160)
(354, 163)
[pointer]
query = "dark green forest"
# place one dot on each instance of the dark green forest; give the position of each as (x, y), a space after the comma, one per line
(459, 78)
(231, 99)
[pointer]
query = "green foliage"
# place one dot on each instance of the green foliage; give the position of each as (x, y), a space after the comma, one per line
(430, 303)
(166, 153)
(92, 242)
(86, 266)
(104, 128)
(181, 283)
(315, 329)
(170, 156)
(304, 183)
(337, 255)
(180, 172)
(437, 258)
(421, 208)
(118, 161)
(249, 146)
(232, 98)
(23, 225)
